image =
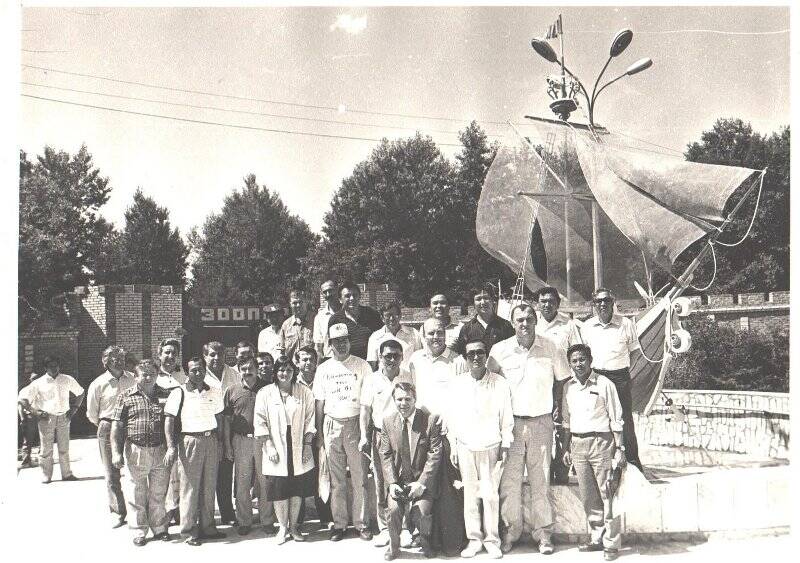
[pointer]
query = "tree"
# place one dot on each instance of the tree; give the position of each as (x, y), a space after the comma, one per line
(148, 251)
(761, 262)
(60, 231)
(249, 252)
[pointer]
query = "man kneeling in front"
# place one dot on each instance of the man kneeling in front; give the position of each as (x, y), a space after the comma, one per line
(410, 451)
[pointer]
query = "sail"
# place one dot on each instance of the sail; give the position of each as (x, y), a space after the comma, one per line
(661, 203)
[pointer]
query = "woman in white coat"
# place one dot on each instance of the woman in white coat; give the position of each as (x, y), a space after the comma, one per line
(284, 423)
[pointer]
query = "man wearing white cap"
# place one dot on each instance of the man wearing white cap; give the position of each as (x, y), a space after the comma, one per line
(269, 339)
(337, 390)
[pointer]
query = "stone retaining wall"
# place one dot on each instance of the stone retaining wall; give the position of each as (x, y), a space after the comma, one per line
(727, 421)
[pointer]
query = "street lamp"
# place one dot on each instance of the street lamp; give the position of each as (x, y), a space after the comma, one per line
(620, 42)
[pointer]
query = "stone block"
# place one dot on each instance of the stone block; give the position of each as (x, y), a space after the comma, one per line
(679, 511)
(720, 300)
(715, 501)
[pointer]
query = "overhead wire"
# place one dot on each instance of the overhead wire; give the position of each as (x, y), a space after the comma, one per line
(216, 123)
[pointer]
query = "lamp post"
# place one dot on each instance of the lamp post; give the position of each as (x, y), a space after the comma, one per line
(561, 106)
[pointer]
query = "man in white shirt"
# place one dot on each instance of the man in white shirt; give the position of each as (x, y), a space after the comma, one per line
(615, 347)
(482, 423)
(376, 404)
(337, 390)
(328, 305)
(298, 330)
(593, 425)
(533, 366)
(393, 330)
(49, 400)
(197, 409)
(220, 376)
(170, 376)
(269, 339)
(101, 400)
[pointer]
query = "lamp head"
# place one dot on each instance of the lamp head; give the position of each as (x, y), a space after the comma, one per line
(621, 41)
(544, 49)
(639, 66)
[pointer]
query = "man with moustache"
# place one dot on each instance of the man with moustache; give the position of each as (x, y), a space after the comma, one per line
(298, 330)
(242, 448)
(532, 366)
(615, 347)
(196, 408)
(485, 325)
(361, 321)
(329, 304)
(137, 429)
(376, 404)
(220, 376)
(102, 398)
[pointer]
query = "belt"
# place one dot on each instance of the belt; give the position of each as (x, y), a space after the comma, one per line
(206, 433)
(529, 417)
(591, 434)
(106, 420)
(145, 444)
(347, 419)
(244, 435)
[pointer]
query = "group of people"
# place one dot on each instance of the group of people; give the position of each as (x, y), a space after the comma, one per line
(448, 420)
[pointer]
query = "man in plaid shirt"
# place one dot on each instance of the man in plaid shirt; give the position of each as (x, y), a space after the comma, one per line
(138, 422)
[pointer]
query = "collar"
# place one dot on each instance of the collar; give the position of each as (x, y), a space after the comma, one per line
(203, 386)
(326, 308)
(351, 317)
(255, 386)
(557, 320)
(302, 380)
(592, 379)
(296, 320)
(616, 319)
(446, 354)
(411, 418)
(212, 374)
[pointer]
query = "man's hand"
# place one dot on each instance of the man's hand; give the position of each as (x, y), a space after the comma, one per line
(272, 454)
(416, 490)
(116, 460)
(363, 444)
(502, 455)
(619, 459)
(567, 458)
(170, 456)
(395, 491)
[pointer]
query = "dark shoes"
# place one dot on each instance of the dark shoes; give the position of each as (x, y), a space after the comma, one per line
(427, 550)
(243, 530)
(117, 522)
(69, 478)
(610, 554)
(215, 536)
(391, 554)
(365, 534)
(584, 547)
(139, 541)
(194, 542)
(163, 536)
(336, 534)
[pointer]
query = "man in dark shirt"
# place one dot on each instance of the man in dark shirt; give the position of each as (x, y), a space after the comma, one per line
(361, 321)
(485, 325)
(138, 421)
(240, 446)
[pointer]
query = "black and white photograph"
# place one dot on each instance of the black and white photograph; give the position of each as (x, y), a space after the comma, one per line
(369, 282)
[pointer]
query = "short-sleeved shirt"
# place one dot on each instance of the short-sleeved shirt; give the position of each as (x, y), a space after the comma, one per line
(230, 377)
(376, 393)
(51, 394)
(141, 417)
(338, 383)
(611, 343)
(563, 331)
(358, 331)
(269, 341)
(170, 380)
(103, 393)
(434, 377)
(321, 328)
(495, 330)
(530, 373)
(593, 406)
(295, 333)
(406, 336)
(199, 407)
(240, 402)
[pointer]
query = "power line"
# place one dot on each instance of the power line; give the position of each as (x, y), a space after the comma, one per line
(262, 100)
(217, 108)
(216, 123)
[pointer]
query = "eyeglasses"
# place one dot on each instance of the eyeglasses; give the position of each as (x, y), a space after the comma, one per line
(472, 354)
(392, 356)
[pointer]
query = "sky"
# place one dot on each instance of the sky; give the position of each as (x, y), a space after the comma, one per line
(349, 76)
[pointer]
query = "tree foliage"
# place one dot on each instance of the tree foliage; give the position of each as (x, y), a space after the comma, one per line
(727, 359)
(60, 230)
(761, 262)
(249, 252)
(406, 216)
(148, 250)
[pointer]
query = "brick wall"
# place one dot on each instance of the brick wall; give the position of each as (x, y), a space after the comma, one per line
(62, 343)
(376, 295)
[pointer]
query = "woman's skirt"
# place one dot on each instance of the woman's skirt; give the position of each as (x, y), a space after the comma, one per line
(283, 488)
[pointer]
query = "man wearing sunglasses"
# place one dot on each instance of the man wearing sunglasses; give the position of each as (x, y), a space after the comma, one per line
(376, 404)
(615, 347)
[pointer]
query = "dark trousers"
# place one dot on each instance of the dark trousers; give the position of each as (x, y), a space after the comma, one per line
(323, 508)
(29, 431)
(621, 378)
(225, 490)
(449, 535)
(420, 517)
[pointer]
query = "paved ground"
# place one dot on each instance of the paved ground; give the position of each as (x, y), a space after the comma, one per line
(67, 521)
